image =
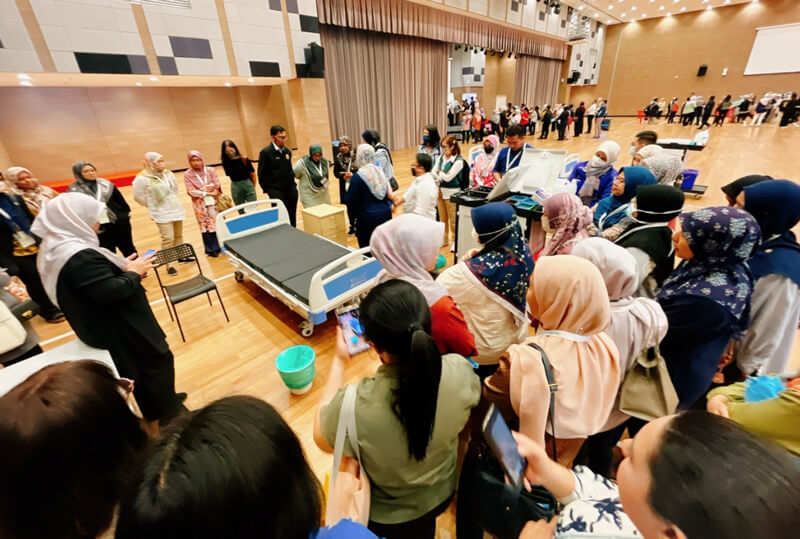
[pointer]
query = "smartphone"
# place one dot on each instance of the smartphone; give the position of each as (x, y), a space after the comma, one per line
(149, 252)
(499, 438)
(352, 329)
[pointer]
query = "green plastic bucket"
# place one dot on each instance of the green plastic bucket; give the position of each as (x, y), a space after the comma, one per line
(296, 367)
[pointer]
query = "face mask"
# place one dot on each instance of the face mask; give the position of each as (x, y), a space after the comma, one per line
(632, 150)
(426, 139)
(629, 212)
(488, 148)
(414, 171)
(597, 161)
(546, 224)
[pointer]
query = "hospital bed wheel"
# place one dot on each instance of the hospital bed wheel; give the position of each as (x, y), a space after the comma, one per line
(239, 276)
(306, 329)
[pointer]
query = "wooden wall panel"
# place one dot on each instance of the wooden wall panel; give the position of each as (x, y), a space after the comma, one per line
(310, 114)
(660, 57)
(260, 108)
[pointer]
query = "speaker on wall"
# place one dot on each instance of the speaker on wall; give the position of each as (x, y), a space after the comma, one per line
(701, 72)
(317, 63)
(574, 77)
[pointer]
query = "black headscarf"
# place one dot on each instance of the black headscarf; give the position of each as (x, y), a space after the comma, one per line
(655, 204)
(733, 189)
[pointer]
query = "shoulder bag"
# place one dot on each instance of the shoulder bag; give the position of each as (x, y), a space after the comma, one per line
(499, 508)
(349, 488)
(647, 392)
(12, 333)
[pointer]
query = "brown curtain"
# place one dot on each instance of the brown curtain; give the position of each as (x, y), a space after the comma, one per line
(413, 19)
(394, 84)
(537, 80)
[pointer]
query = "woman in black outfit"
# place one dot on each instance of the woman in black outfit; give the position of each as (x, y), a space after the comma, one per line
(579, 113)
(241, 172)
(115, 233)
(344, 166)
(103, 299)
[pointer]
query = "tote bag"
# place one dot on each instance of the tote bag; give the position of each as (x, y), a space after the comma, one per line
(12, 334)
(349, 489)
(647, 392)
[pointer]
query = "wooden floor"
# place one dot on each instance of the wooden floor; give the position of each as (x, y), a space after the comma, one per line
(221, 359)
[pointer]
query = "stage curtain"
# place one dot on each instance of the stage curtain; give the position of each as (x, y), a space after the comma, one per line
(412, 19)
(392, 83)
(536, 80)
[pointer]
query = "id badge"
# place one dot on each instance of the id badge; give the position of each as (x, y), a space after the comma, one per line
(209, 200)
(24, 240)
(102, 217)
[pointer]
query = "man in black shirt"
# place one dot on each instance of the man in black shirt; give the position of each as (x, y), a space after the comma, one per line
(275, 174)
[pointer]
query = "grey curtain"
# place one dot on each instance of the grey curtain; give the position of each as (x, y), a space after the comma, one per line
(392, 83)
(536, 80)
(414, 19)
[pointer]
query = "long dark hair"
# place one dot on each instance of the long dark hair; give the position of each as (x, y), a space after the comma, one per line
(397, 320)
(711, 478)
(433, 135)
(231, 469)
(67, 443)
(224, 156)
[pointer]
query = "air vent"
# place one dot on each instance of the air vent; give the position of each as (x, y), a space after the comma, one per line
(183, 4)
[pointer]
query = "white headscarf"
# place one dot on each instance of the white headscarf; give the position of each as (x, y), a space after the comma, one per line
(370, 172)
(405, 247)
(65, 226)
(611, 149)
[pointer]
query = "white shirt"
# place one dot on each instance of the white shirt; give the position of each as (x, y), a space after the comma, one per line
(592, 110)
(422, 196)
(446, 177)
(169, 209)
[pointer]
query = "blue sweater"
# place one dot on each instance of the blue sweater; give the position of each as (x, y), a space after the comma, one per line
(606, 181)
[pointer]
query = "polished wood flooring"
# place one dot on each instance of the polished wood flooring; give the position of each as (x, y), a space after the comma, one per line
(220, 359)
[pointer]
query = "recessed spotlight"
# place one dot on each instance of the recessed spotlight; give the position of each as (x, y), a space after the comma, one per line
(683, 8)
(709, 8)
(154, 79)
(755, 1)
(580, 8)
(596, 15)
(644, 15)
(138, 84)
(669, 14)
(251, 79)
(727, 1)
(609, 21)
(661, 8)
(228, 84)
(622, 15)
(633, 8)
(610, 7)
(676, 1)
(23, 76)
(25, 83)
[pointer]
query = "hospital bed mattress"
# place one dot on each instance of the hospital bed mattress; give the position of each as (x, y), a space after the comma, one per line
(286, 256)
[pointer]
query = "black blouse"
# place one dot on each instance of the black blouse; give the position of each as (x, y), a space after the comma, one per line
(238, 169)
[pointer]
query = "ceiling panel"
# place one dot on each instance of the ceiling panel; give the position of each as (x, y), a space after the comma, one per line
(619, 11)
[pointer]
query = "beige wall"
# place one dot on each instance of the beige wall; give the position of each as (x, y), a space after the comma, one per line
(47, 129)
(660, 57)
(309, 110)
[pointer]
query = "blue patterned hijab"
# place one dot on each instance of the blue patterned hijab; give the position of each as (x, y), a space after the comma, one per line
(634, 177)
(504, 264)
(722, 239)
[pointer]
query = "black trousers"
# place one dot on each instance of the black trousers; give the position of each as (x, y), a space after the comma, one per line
(671, 117)
(589, 123)
(289, 198)
(342, 193)
(597, 452)
(561, 130)
(545, 129)
(720, 118)
(155, 380)
(423, 527)
(118, 236)
(29, 275)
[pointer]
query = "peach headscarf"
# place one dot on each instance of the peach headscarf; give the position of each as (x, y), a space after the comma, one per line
(567, 295)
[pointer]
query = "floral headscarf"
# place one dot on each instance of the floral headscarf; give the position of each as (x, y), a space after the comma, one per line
(569, 218)
(370, 172)
(722, 239)
(664, 166)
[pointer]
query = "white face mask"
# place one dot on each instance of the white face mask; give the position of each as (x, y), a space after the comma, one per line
(632, 150)
(596, 161)
(546, 224)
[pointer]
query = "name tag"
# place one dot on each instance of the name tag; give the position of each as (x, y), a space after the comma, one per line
(102, 217)
(209, 200)
(24, 240)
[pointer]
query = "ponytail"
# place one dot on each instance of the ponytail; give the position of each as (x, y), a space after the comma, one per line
(397, 319)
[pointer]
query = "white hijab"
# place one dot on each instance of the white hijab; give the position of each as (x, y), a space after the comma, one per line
(405, 247)
(65, 226)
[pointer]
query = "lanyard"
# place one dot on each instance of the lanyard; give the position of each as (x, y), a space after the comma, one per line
(516, 159)
(318, 166)
(638, 228)
(564, 335)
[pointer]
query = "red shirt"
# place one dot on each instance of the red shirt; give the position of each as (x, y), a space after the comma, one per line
(450, 330)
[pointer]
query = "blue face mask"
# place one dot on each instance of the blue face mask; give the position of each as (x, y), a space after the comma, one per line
(426, 139)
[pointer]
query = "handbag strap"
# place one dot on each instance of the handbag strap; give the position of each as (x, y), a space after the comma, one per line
(345, 428)
(551, 383)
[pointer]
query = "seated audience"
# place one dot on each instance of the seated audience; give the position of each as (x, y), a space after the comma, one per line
(594, 177)
(489, 286)
(666, 167)
(681, 477)
(636, 324)
(21, 182)
(612, 210)
(775, 267)
(707, 297)
(422, 196)
(231, 469)
(482, 173)
(734, 189)
(203, 187)
(116, 232)
(567, 219)
(68, 441)
(368, 198)
(649, 238)
(770, 412)
(409, 414)
(30, 346)
(407, 248)
(104, 301)
(312, 174)
(568, 298)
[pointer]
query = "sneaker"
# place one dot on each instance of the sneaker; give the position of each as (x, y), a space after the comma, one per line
(215, 254)
(187, 260)
(55, 318)
(172, 271)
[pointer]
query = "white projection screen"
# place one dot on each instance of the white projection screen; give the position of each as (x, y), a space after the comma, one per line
(775, 50)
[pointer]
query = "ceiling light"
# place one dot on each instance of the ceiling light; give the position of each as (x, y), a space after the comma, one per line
(596, 15)
(154, 79)
(623, 15)
(676, 1)
(661, 8)
(683, 8)
(755, 1)
(25, 83)
(633, 8)
(251, 79)
(609, 21)
(138, 84)
(709, 8)
(580, 8)
(727, 1)
(644, 15)
(23, 76)
(669, 14)
(610, 7)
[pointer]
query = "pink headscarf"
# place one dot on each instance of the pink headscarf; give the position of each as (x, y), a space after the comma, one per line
(567, 295)
(569, 218)
(483, 167)
(405, 246)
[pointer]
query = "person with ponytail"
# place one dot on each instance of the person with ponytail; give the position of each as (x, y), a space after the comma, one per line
(408, 415)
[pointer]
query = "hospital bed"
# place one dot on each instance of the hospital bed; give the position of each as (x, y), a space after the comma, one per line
(309, 274)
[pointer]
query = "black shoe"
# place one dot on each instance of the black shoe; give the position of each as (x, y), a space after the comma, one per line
(215, 254)
(172, 271)
(351, 232)
(55, 317)
(181, 397)
(187, 260)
